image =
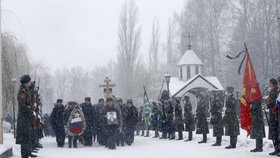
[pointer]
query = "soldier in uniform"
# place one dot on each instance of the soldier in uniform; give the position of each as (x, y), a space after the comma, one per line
(169, 120)
(98, 122)
(132, 119)
(155, 119)
(162, 120)
(121, 134)
(188, 117)
(88, 111)
(273, 116)
(216, 117)
(179, 124)
(230, 119)
(201, 117)
(24, 119)
(57, 122)
(257, 129)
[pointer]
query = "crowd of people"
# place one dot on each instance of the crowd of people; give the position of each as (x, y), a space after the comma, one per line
(111, 122)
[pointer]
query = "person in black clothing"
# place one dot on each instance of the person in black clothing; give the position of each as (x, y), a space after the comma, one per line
(111, 119)
(88, 111)
(163, 121)
(273, 116)
(179, 124)
(131, 119)
(56, 119)
(216, 117)
(98, 124)
(120, 139)
(188, 118)
(24, 119)
(169, 119)
(155, 119)
(47, 125)
(201, 116)
(257, 129)
(230, 119)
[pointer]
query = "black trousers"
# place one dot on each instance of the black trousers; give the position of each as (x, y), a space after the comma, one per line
(259, 143)
(73, 140)
(111, 133)
(25, 150)
(88, 137)
(120, 138)
(218, 139)
(60, 138)
(233, 140)
(129, 138)
(180, 133)
(190, 135)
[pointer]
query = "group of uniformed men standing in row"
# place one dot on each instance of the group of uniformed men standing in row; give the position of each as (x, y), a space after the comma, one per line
(167, 117)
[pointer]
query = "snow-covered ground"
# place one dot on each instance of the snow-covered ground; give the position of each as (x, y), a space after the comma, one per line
(152, 148)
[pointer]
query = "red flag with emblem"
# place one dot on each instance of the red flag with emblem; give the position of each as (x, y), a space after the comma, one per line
(250, 92)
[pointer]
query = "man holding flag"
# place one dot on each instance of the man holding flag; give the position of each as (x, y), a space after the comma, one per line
(147, 112)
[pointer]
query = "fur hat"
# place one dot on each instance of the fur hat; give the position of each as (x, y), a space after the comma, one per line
(25, 79)
(230, 89)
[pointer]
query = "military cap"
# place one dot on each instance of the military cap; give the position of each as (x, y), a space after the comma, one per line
(273, 81)
(87, 99)
(25, 79)
(230, 89)
(59, 100)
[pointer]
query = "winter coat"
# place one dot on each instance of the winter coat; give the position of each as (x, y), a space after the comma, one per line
(89, 112)
(179, 124)
(24, 119)
(56, 118)
(257, 129)
(201, 116)
(273, 114)
(131, 118)
(188, 117)
(162, 118)
(155, 118)
(169, 118)
(230, 119)
(216, 118)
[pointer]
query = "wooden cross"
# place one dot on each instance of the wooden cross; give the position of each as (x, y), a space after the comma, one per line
(189, 38)
(107, 86)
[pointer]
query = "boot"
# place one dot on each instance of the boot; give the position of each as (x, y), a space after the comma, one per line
(256, 150)
(276, 152)
(32, 155)
(230, 147)
(204, 140)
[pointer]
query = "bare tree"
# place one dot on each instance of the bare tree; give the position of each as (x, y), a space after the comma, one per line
(128, 48)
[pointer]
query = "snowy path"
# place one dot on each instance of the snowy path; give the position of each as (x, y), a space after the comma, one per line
(155, 148)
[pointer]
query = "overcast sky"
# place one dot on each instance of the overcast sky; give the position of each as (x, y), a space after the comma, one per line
(62, 33)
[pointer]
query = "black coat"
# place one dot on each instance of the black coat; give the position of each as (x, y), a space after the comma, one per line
(189, 118)
(88, 111)
(230, 119)
(179, 124)
(155, 118)
(257, 130)
(216, 118)
(201, 116)
(24, 119)
(273, 114)
(169, 118)
(56, 118)
(131, 118)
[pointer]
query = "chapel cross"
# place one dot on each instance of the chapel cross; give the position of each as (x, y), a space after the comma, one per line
(189, 39)
(107, 87)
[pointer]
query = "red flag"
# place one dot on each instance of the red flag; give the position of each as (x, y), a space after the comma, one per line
(250, 92)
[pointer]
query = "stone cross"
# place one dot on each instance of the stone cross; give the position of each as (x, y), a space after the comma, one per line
(107, 87)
